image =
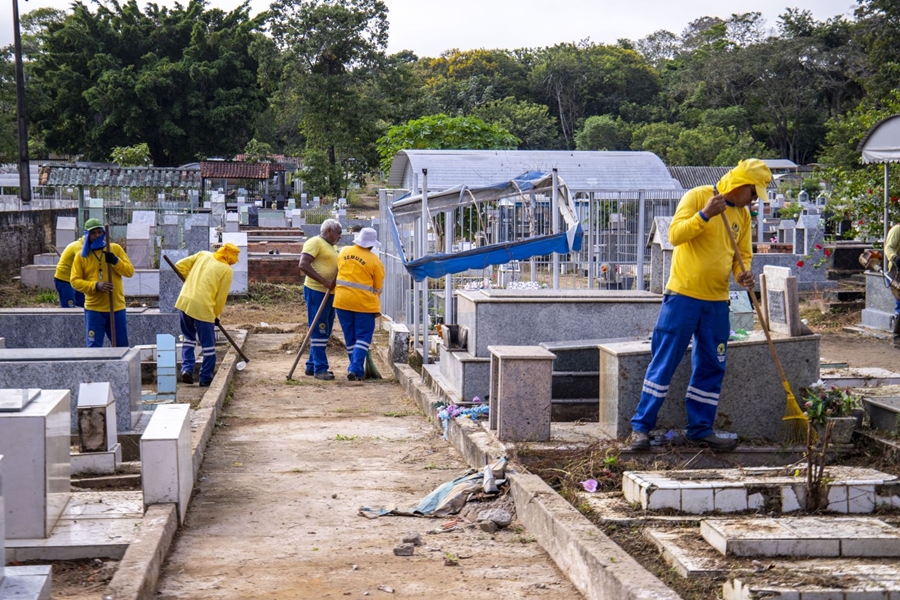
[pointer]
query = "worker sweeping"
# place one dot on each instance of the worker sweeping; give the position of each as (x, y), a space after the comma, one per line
(360, 278)
(207, 280)
(695, 304)
(68, 296)
(97, 272)
(318, 262)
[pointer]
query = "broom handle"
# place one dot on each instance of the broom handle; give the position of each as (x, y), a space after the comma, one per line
(112, 309)
(756, 304)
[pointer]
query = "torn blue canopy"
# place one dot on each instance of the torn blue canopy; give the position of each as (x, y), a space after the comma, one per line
(438, 264)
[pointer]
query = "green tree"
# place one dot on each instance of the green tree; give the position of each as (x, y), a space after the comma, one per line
(603, 132)
(879, 26)
(256, 151)
(131, 156)
(529, 122)
(704, 145)
(181, 79)
(437, 132)
(331, 51)
(459, 81)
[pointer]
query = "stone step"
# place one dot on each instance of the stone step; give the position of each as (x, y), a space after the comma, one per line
(576, 384)
(779, 490)
(801, 537)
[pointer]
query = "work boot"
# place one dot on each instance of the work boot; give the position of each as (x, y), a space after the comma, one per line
(351, 376)
(309, 372)
(205, 383)
(716, 443)
(639, 441)
(325, 376)
(187, 377)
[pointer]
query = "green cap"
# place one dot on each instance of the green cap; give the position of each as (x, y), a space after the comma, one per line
(92, 224)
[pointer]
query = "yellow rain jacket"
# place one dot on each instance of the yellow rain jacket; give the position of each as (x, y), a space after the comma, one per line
(207, 281)
(86, 274)
(64, 266)
(360, 278)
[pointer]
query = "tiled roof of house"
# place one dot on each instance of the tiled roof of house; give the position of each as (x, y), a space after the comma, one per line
(224, 169)
(154, 177)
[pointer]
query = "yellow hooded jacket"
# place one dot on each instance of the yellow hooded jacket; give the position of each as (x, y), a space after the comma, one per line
(64, 266)
(704, 257)
(206, 285)
(360, 278)
(86, 275)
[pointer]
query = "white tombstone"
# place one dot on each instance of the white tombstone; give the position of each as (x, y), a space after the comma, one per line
(239, 280)
(297, 218)
(140, 245)
(96, 403)
(167, 471)
(66, 231)
(232, 222)
(165, 364)
(34, 440)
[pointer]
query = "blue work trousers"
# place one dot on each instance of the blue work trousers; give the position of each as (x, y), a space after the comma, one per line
(68, 296)
(318, 339)
(198, 333)
(680, 319)
(358, 330)
(96, 325)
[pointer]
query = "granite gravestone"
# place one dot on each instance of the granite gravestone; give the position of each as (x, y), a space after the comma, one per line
(781, 300)
(169, 282)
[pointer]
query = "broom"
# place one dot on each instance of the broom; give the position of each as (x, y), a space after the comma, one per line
(794, 426)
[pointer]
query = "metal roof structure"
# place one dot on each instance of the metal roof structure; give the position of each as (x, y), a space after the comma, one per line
(581, 170)
(226, 169)
(691, 177)
(881, 144)
(153, 177)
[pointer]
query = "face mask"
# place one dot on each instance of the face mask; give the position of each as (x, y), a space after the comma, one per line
(99, 243)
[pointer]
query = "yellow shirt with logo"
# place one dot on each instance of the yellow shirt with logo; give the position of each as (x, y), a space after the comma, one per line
(86, 274)
(64, 266)
(325, 261)
(704, 258)
(206, 285)
(362, 268)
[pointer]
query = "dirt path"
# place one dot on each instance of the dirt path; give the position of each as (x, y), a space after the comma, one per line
(275, 513)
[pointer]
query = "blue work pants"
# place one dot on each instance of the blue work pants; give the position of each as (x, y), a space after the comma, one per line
(318, 339)
(198, 333)
(358, 330)
(68, 296)
(96, 325)
(682, 319)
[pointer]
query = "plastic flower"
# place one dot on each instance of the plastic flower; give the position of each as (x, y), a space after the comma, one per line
(800, 263)
(818, 246)
(589, 485)
(476, 399)
(827, 252)
(894, 198)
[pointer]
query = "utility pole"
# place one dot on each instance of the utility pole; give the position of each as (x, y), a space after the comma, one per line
(21, 118)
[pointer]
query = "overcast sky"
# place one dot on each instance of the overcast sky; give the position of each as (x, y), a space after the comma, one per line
(428, 27)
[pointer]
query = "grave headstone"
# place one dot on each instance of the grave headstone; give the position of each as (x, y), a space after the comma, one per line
(239, 280)
(297, 218)
(232, 222)
(197, 237)
(167, 472)
(169, 282)
(35, 442)
(740, 310)
(140, 245)
(165, 364)
(781, 300)
(66, 231)
(809, 233)
(786, 231)
(95, 208)
(96, 417)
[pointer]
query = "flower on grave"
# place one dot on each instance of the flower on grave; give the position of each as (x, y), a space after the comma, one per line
(800, 263)
(818, 246)
(476, 399)
(827, 251)
(590, 485)
(894, 199)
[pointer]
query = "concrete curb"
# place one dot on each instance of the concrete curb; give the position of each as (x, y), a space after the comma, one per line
(595, 564)
(138, 572)
(137, 575)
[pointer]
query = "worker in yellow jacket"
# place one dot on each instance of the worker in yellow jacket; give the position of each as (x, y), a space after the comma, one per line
(68, 297)
(97, 272)
(360, 278)
(207, 279)
(695, 304)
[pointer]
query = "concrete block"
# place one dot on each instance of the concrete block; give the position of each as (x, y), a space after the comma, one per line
(837, 499)
(527, 318)
(68, 368)
(727, 500)
(166, 463)
(658, 499)
(398, 342)
(96, 463)
(165, 363)
(38, 276)
(697, 501)
(521, 392)
(35, 445)
(27, 583)
(64, 327)
(96, 417)
(47, 258)
(751, 391)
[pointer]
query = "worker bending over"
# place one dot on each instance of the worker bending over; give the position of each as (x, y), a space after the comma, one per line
(207, 280)
(360, 279)
(97, 272)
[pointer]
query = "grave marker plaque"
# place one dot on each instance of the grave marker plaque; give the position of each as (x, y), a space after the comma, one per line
(781, 300)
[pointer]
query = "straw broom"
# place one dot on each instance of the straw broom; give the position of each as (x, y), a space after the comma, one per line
(794, 423)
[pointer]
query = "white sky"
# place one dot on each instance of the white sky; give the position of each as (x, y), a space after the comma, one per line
(428, 27)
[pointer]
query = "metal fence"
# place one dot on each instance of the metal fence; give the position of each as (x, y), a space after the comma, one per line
(614, 252)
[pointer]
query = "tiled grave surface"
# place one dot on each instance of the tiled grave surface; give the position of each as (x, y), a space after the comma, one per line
(802, 537)
(850, 490)
(93, 525)
(16, 400)
(26, 583)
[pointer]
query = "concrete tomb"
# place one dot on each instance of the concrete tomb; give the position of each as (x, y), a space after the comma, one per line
(166, 464)
(521, 391)
(140, 245)
(34, 441)
(68, 368)
(100, 451)
(239, 281)
(880, 303)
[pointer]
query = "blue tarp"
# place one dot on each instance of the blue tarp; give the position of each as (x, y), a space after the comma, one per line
(439, 264)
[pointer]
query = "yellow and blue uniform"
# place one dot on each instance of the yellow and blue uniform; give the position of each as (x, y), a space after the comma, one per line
(208, 279)
(68, 297)
(89, 268)
(891, 250)
(325, 257)
(695, 305)
(360, 279)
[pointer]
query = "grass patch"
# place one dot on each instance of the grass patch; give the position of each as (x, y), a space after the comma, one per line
(344, 438)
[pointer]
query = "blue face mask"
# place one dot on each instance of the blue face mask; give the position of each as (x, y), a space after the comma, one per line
(99, 243)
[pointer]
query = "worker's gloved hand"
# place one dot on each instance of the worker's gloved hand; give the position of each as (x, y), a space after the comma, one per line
(217, 322)
(111, 258)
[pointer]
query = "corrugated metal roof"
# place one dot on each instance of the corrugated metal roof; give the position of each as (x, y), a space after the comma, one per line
(226, 169)
(581, 170)
(156, 177)
(691, 177)
(780, 163)
(881, 144)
